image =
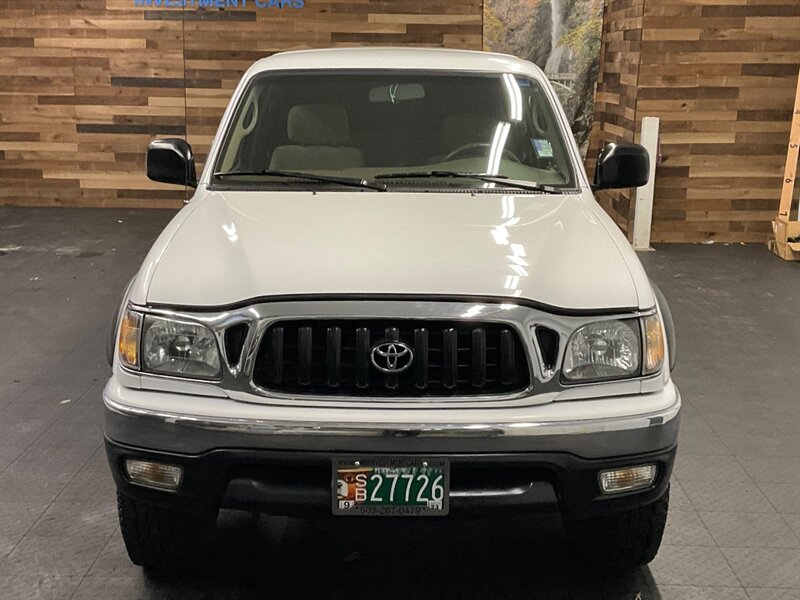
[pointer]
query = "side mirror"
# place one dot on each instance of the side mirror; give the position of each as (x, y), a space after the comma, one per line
(621, 166)
(171, 161)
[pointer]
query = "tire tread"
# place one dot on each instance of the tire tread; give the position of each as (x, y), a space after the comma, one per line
(621, 542)
(160, 538)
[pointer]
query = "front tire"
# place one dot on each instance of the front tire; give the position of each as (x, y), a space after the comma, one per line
(621, 542)
(159, 538)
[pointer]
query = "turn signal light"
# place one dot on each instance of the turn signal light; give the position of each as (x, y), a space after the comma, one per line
(654, 344)
(130, 330)
(627, 479)
(153, 474)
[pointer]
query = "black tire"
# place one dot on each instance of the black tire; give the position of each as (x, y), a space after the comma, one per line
(159, 538)
(621, 542)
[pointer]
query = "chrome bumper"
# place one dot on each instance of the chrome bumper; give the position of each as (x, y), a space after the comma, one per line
(187, 433)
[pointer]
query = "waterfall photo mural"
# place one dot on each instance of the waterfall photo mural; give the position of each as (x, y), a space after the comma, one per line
(560, 36)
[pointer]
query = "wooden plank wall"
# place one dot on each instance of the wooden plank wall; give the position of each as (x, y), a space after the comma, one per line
(720, 74)
(86, 84)
(617, 92)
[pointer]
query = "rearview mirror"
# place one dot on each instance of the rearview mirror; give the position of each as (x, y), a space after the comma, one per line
(171, 161)
(397, 92)
(621, 166)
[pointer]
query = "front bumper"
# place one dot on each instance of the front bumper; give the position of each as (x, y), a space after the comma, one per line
(283, 466)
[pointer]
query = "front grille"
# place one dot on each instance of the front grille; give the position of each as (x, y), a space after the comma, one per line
(336, 358)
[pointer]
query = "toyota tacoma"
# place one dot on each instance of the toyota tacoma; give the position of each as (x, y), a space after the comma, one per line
(392, 294)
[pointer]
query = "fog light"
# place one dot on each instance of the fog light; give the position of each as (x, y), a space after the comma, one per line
(628, 479)
(153, 474)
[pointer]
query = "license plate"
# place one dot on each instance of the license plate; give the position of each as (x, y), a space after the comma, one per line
(391, 486)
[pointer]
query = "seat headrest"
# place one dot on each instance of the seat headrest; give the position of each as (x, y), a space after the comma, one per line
(318, 125)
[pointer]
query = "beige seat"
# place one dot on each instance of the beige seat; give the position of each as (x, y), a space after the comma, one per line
(319, 133)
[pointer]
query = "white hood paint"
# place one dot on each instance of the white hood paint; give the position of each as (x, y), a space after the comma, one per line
(227, 247)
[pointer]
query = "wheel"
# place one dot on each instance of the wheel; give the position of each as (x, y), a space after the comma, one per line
(621, 542)
(163, 539)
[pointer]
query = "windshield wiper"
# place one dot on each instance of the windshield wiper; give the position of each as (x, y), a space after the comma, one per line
(486, 177)
(351, 181)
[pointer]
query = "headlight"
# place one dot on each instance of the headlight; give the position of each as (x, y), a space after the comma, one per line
(172, 347)
(615, 349)
(604, 350)
(168, 347)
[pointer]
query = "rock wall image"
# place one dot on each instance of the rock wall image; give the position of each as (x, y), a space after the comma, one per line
(560, 36)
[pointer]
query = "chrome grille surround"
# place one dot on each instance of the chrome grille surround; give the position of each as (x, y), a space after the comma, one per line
(237, 380)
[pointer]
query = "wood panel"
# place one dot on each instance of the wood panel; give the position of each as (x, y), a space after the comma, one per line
(85, 85)
(720, 75)
(617, 94)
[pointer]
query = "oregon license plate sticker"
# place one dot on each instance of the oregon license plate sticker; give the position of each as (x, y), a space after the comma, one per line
(392, 487)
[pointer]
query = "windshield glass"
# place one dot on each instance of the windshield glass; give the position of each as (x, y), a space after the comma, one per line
(368, 125)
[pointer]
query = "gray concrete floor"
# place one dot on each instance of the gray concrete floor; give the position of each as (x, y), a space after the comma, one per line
(734, 525)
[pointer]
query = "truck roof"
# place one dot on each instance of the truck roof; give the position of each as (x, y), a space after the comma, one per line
(395, 58)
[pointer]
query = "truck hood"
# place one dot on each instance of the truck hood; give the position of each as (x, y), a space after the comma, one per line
(229, 247)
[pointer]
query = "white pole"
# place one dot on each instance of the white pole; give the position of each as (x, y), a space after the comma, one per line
(643, 215)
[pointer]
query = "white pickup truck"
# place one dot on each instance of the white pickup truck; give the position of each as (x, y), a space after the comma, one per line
(392, 294)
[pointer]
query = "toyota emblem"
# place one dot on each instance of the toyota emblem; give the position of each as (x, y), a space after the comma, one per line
(392, 357)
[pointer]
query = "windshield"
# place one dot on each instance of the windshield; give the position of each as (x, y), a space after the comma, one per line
(373, 126)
